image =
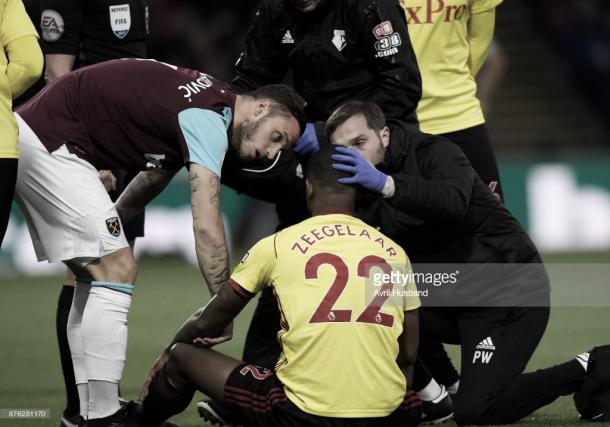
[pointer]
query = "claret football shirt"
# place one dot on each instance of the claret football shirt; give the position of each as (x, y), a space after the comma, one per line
(340, 323)
(135, 114)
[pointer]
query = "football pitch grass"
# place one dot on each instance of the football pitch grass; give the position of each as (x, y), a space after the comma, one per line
(168, 290)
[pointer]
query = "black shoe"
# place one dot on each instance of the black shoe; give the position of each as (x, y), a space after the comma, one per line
(67, 421)
(438, 410)
(214, 413)
(593, 399)
(124, 417)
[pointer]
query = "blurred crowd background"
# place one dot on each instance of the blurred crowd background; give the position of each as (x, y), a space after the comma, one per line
(545, 91)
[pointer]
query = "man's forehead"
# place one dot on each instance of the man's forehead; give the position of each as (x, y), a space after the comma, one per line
(352, 127)
(290, 124)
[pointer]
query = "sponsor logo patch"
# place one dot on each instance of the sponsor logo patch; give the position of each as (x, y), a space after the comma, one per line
(383, 29)
(486, 344)
(51, 25)
(339, 39)
(287, 39)
(120, 19)
(484, 351)
(387, 40)
(114, 226)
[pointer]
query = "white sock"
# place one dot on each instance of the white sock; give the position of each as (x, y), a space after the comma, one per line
(430, 392)
(453, 388)
(105, 343)
(75, 340)
(103, 399)
(83, 399)
(583, 359)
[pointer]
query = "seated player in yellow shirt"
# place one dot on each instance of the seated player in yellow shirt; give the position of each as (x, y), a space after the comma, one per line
(348, 339)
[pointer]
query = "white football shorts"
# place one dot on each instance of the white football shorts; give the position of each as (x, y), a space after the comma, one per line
(69, 213)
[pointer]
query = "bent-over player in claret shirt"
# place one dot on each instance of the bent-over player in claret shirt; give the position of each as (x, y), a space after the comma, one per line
(137, 115)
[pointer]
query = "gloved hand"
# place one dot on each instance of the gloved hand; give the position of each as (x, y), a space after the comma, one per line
(308, 142)
(364, 173)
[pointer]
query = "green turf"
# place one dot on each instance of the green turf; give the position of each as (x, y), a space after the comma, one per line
(167, 292)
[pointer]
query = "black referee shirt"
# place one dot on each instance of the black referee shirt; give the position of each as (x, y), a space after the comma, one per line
(94, 30)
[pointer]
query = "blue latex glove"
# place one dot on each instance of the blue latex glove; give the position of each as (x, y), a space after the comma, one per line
(364, 173)
(308, 142)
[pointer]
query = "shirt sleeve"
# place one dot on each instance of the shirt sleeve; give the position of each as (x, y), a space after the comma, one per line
(253, 273)
(205, 133)
(61, 23)
(389, 54)
(442, 192)
(24, 64)
(261, 61)
(15, 23)
(479, 6)
(480, 36)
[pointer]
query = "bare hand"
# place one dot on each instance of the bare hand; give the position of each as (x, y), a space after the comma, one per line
(226, 335)
(108, 179)
(156, 368)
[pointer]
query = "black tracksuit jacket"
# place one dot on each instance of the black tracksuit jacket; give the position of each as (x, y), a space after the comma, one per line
(343, 50)
(443, 213)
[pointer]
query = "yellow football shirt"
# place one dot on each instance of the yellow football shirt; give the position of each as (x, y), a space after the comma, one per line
(340, 323)
(439, 33)
(14, 23)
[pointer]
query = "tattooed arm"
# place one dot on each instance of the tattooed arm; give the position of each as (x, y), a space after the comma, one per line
(210, 243)
(141, 190)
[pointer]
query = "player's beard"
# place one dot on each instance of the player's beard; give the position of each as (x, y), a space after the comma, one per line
(379, 152)
(245, 132)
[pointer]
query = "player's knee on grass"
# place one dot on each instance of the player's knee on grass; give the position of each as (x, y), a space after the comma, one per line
(469, 410)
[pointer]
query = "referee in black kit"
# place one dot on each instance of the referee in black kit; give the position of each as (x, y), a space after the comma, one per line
(74, 34)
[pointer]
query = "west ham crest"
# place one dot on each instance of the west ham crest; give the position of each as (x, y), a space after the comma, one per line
(114, 226)
(120, 20)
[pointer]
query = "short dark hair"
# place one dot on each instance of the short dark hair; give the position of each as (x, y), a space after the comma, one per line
(285, 101)
(319, 170)
(375, 119)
